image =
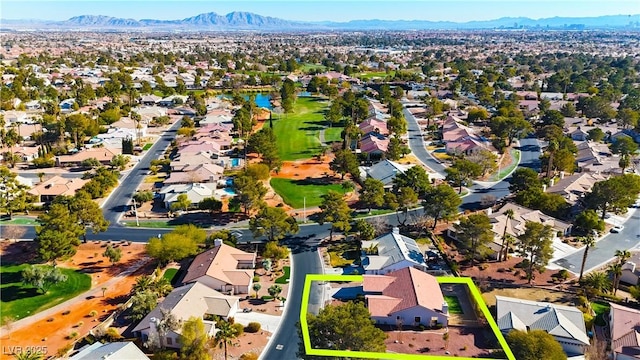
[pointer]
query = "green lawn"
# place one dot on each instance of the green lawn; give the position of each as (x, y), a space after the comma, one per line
(298, 132)
(294, 192)
(601, 309)
(306, 67)
(19, 301)
(371, 74)
(454, 304)
(170, 274)
(147, 146)
(20, 221)
(284, 279)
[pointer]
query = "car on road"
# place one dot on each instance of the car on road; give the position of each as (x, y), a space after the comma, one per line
(617, 228)
(247, 310)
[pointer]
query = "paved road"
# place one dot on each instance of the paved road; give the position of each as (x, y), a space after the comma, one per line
(416, 144)
(605, 248)
(121, 196)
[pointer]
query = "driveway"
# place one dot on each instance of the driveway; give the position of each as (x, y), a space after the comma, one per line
(268, 322)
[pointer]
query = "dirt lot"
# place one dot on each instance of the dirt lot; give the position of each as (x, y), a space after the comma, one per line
(533, 294)
(51, 329)
(463, 341)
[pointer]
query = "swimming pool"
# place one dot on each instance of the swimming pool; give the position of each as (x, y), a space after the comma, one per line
(235, 162)
(230, 191)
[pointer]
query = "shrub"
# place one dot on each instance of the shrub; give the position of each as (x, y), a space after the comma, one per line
(249, 356)
(484, 266)
(267, 297)
(79, 324)
(253, 327)
(581, 300)
(256, 279)
(239, 328)
(588, 320)
(93, 313)
(67, 312)
(73, 335)
(63, 351)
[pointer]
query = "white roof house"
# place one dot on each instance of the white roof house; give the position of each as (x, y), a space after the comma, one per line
(196, 192)
(194, 299)
(111, 351)
(564, 323)
(391, 252)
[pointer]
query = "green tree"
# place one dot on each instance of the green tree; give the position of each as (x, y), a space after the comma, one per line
(275, 290)
(335, 210)
(345, 162)
(534, 345)
(415, 178)
(462, 171)
(406, 198)
(29, 355)
(225, 235)
(113, 254)
(372, 193)
(365, 230)
(628, 118)
(58, 235)
(595, 283)
(476, 114)
(256, 287)
(487, 160)
(88, 213)
(120, 161)
(613, 195)
(568, 110)
(588, 241)
(182, 203)
(510, 128)
(475, 233)
(441, 203)
(396, 149)
(225, 335)
(596, 134)
(142, 303)
(536, 243)
(274, 222)
(13, 194)
(345, 327)
(171, 247)
(264, 142)
(194, 340)
(210, 204)
(90, 163)
(167, 322)
(624, 145)
(42, 277)
(274, 251)
(250, 192)
(143, 196)
(588, 221)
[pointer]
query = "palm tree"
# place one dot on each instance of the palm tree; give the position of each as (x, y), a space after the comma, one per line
(615, 270)
(596, 283)
(509, 214)
(168, 322)
(623, 256)
(224, 335)
(552, 148)
(588, 241)
(28, 355)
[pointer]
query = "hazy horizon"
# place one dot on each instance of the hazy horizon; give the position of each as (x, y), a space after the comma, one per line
(315, 10)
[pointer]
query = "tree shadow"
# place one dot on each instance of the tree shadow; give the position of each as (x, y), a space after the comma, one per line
(16, 292)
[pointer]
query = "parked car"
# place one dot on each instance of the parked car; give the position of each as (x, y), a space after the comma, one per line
(247, 310)
(617, 228)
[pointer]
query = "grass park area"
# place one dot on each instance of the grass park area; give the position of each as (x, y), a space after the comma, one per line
(19, 221)
(368, 75)
(298, 132)
(170, 274)
(293, 192)
(601, 309)
(306, 67)
(284, 279)
(19, 301)
(454, 304)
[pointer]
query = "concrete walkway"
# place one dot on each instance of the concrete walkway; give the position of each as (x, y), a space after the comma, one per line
(95, 292)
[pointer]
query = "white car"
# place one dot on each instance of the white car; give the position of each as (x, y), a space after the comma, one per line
(617, 228)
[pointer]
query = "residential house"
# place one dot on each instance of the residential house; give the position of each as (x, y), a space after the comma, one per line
(564, 323)
(374, 144)
(223, 268)
(194, 299)
(196, 192)
(150, 100)
(597, 158)
(385, 171)
(574, 187)
(182, 162)
(102, 154)
(624, 330)
(373, 125)
(461, 139)
(516, 226)
(114, 136)
(130, 124)
(391, 252)
(405, 297)
(630, 271)
(124, 350)
(47, 190)
(200, 173)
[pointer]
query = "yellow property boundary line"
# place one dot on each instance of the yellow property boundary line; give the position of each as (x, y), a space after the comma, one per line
(376, 355)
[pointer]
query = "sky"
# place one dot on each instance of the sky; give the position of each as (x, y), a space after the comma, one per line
(321, 10)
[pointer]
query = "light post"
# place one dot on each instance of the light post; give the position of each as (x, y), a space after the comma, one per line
(135, 210)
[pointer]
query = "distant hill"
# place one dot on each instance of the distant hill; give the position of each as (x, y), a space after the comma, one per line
(251, 21)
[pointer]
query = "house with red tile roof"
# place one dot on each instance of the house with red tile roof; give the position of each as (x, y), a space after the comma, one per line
(374, 144)
(223, 268)
(461, 139)
(407, 296)
(49, 189)
(373, 125)
(624, 327)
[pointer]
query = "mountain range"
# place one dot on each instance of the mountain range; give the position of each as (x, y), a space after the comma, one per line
(249, 21)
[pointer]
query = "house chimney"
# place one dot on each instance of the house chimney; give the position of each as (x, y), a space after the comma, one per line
(396, 231)
(445, 307)
(489, 211)
(552, 182)
(561, 174)
(217, 242)
(544, 186)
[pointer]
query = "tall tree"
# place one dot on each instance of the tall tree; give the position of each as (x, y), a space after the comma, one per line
(273, 222)
(194, 339)
(345, 162)
(588, 241)
(415, 178)
(462, 171)
(345, 327)
(250, 192)
(89, 213)
(264, 142)
(475, 232)
(335, 210)
(441, 203)
(536, 244)
(613, 195)
(13, 194)
(534, 345)
(588, 221)
(509, 214)
(372, 193)
(225, 335)
(524, 179)
(171, 247)
(406, 198)
(58, 235)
